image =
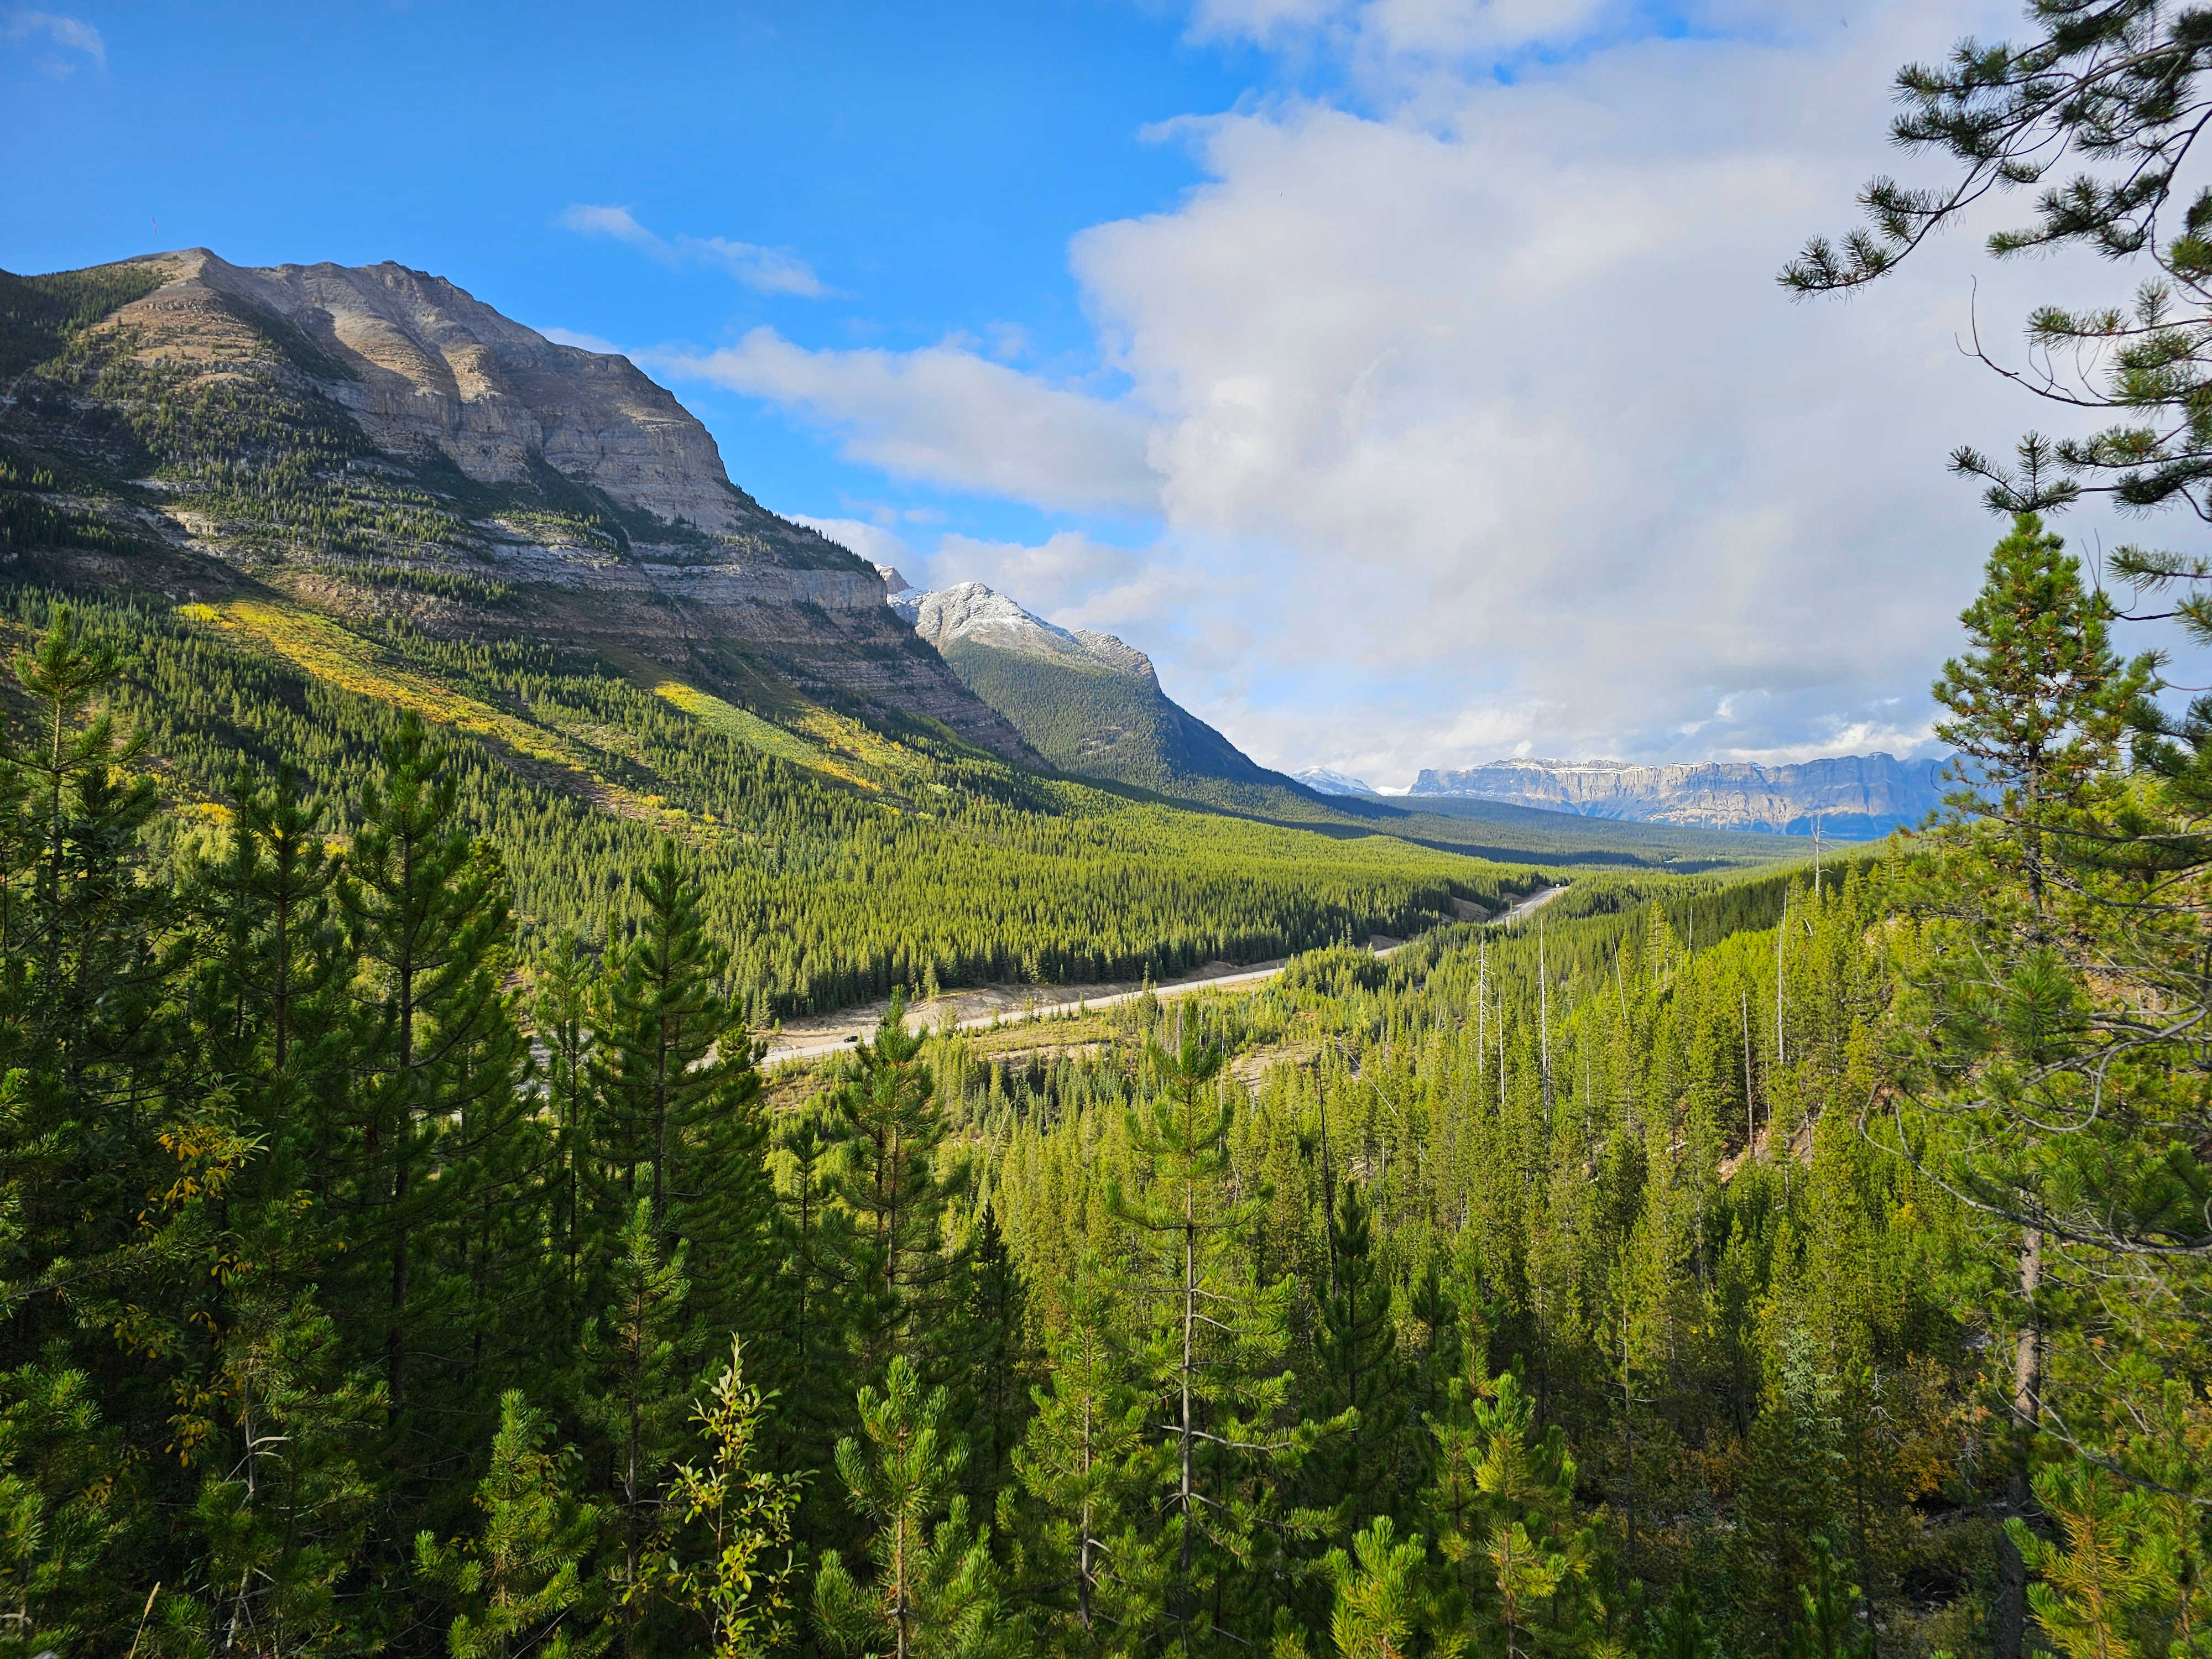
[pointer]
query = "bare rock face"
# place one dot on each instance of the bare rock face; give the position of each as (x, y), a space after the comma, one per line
(1849, 796)
(422, 364)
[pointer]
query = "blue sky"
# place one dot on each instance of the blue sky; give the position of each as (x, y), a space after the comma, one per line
(1408, 376)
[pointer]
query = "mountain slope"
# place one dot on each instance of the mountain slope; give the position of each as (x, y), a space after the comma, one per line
(1853, 796)
(378, 442)
(1087, 703)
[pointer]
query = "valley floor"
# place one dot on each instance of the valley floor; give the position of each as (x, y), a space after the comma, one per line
(983, 1007)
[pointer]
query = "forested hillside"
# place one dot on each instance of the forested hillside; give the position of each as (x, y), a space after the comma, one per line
(1098, 722)
(829, 869)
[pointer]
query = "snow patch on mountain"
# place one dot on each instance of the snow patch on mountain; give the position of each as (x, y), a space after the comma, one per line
(981, 616)
(1323, 781)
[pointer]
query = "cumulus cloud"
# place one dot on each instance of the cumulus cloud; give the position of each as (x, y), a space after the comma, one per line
(946, 415)
(1495, 402)
(64, 35)
(872, 542)
(763, 269)
(570, 337)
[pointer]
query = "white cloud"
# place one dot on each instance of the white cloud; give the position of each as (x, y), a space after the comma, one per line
(763, 269)
(67, 34)
(1496, 402)
(871, 541)
(946, 415)
(570, 337)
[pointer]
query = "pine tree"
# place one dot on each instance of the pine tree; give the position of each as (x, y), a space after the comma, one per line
(438, 1054)
(990, 1351)
(60, 1528)
(1832, 1625)
(1386, 1606)
(1357, 1467)
(2039, 704)
(636, 1366)
(678, 1100)
(284, 1509)
(2100, 1586)
(561, 1017)
(1792, 1461)
(521, 1585)
(895, 1271)
(1677, 1630)
(814, 1237)
(1217, 1336)
(1083, 1468)
(935, 1593)
(1503, 1506)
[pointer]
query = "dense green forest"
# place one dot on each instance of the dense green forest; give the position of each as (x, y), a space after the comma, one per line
(1104, 722)
(1804, 1263)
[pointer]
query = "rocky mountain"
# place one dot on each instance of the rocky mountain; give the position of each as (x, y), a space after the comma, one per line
(1855, 797)
(972, 613)
(1086, 701)
(376, 440)
(1323, 781)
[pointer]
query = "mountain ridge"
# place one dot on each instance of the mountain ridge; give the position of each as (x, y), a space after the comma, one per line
(379, 438)
(1850, 796)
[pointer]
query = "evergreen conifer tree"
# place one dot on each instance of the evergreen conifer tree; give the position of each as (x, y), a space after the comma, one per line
(894, 1269)
(678, 1100)
(521, 1586)
(1356, 1469)
(631, 1386)
(934, 1593)
(438, 1054)
(1216, 1337)
(1519, 1558)
(1083, 1467)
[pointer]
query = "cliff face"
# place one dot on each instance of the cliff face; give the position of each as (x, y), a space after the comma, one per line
(1852, 796)
(464, 452)
(426, 364)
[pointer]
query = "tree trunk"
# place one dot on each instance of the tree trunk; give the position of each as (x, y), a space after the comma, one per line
(2010, 1622)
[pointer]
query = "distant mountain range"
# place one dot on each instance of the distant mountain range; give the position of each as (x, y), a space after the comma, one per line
(1853, 796)
(1086, 701)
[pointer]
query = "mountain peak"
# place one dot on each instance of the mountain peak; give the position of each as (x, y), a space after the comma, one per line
(973, 613)
(422, 364)
(457, 460)
(1323, 781)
